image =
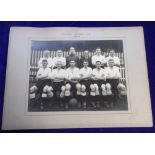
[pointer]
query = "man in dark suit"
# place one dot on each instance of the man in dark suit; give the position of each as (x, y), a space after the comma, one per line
(85, 57)
(72, 57)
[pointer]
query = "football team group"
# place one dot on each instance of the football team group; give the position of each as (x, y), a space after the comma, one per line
(91, 80)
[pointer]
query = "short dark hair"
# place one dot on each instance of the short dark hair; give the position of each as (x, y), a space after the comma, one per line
(44, 60)
(111, 60)
(71, 60)
(85, 61)
(98, 61)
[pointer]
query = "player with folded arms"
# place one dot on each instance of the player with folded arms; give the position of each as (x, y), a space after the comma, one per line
(98, 84)
(48, 58)
(85, 81)
(113, 86)
(98, 57)
(72, 81)
(58, 81)
(43, 86)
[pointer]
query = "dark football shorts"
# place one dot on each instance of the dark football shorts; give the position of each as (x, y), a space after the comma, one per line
(42, 83)
(114, 83)
(99, 82)
(57, 85)
(87, 83)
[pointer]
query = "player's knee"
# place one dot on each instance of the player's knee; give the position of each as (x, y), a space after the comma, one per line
(45, 88)
(96, 86)
(103, 86)
(49, 89)
(83, 88)
(63, 88)
(121, 87)
(68, 86)
(108, 86)
(78, 86)
(33, 89)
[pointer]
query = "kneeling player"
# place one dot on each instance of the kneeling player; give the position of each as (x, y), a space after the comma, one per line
(43, 86)
(72, 81)
(85, 81)
(58, 77)
(112, 80)
(98, 77)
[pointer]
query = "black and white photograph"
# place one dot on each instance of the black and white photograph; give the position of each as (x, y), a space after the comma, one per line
(76, 78)
(77, 75)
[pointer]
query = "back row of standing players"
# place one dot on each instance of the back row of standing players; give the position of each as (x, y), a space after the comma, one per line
(96, 77)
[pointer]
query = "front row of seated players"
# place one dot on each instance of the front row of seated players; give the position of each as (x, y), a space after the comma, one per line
(85, 84)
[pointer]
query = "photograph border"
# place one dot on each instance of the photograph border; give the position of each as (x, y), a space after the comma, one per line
(78, 112)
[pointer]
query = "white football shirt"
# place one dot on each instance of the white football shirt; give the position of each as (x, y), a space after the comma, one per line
(96, 58)
(61, 59)
(57, 73)
(85, 72)
(112, 72)
(98, 73)
(49, 61)
(116, 60)
(44, 72)
(72, 73)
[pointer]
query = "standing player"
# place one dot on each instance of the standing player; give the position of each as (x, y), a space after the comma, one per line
(85, 57)
(98, 57)
(43, 86)
(59, 57)
(85, 81)
(98, 77)
(72, 78)
(58, 77)
(112, 56)
(48, 58)
(72, 56)
(112, 80)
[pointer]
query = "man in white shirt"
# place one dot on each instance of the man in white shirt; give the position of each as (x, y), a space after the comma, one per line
(60, 58)
(48, 58)
(43, 86)
(85, 81)
(113, 86)
(72, 80)
(98, 57)
(58, 77)
(112, 56)
(72, 75)
(58, 82)
(98, 81)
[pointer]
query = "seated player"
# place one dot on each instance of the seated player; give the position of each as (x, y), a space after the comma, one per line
(98, 57)
(48, 58)
(43, 86)
(112, 80)
(59, 57)
(72, 80)
(58, 77)
(86, 57)
(98, 78)
(72, 56)
(85, 81)
(112, 56)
